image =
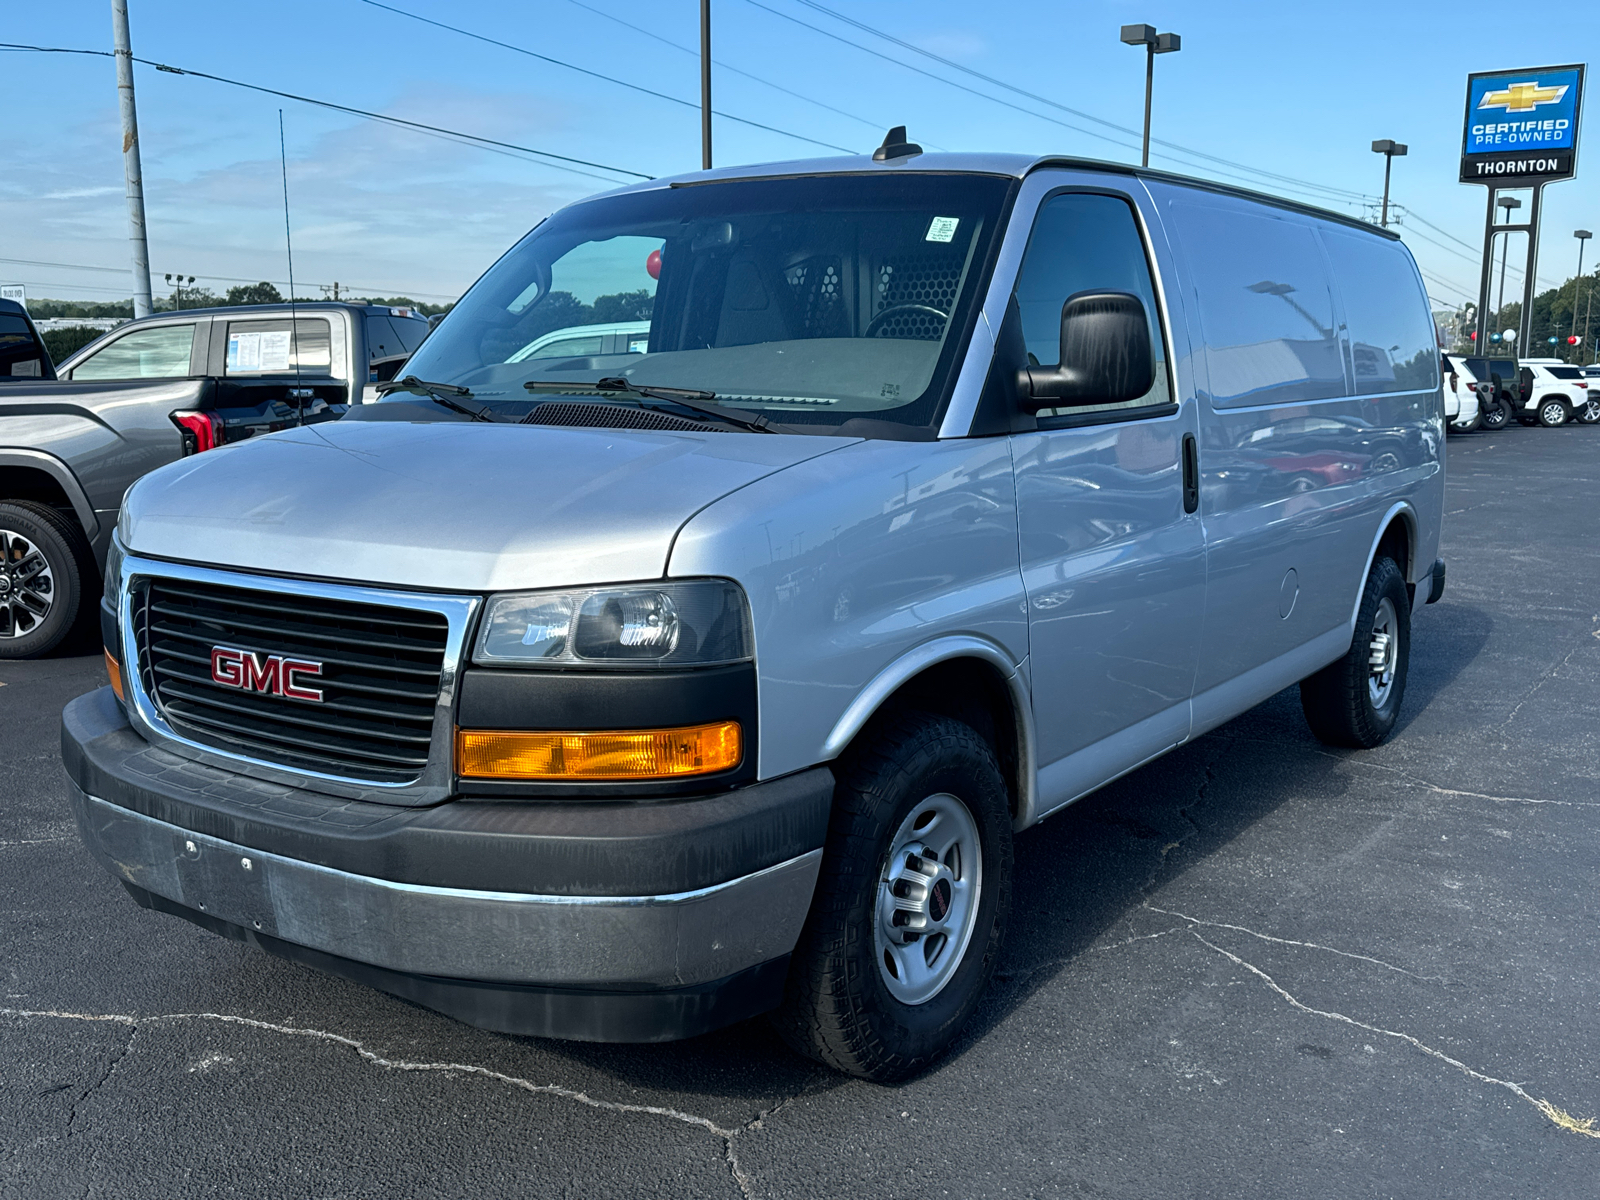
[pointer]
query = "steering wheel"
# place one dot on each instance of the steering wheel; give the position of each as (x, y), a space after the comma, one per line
(926, 310)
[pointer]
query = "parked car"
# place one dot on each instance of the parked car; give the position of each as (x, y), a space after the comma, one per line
(144, 394)
(622, 702)
(1559, 393)
(1462, 410)
(1506, 384)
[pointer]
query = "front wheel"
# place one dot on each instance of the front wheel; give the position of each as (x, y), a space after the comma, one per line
(1589, 414)
(44, 571)
(911, 904)
(1356, 701)
(1553, 414)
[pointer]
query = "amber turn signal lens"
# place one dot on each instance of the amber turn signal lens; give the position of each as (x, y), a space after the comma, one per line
(623, 754)
(114, 669)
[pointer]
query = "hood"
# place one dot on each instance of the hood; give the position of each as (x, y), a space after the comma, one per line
(448, 506)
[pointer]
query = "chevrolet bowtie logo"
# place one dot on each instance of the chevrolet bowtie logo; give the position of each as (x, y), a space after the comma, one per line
(1522, 97)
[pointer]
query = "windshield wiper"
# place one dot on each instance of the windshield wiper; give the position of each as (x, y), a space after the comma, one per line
(439, 393)
(689, 398)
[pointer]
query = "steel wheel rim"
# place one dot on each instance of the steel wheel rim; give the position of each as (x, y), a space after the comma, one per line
(1383, 652)
(926, 905)
(27, 585)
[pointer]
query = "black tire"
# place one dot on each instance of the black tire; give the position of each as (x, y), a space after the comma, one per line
(1589, 414)
(30, 533)
(1554, 413)
(1339, 700)
(838, 1007)
(1497, 415)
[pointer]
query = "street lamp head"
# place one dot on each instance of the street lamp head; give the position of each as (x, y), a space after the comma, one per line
(1509, 202)
(1583, 235)
(1392, 148)
(1166, 43)
(1139, 35)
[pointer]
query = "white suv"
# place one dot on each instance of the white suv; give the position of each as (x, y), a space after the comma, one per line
(1560, 393)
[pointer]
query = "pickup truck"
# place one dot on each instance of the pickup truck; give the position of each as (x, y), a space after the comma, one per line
(74, 437)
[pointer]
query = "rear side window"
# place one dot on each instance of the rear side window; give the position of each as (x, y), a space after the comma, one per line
(272, 347)
(1565, 372)
(1393, 347)
(158, 353)
(409, 332)
(1265, 305)
(20, 356)
(1084, 242)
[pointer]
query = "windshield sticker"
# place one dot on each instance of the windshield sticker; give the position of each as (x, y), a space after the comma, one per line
(259, 351)
(943, 229)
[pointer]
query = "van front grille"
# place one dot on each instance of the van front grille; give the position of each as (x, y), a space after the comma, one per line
(379, 676)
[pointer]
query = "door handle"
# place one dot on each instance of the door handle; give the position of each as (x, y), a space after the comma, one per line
(1191, 474)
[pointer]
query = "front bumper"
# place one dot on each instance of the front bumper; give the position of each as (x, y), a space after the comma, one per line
(596, 921)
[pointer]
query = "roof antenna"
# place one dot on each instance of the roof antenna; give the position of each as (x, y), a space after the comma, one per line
(895, 146)
(288, 245)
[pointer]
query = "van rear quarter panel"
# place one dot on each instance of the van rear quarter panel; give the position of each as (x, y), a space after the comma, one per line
(1302, 457)
(853, 559)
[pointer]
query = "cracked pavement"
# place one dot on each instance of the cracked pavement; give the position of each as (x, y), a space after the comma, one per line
(1255, 967)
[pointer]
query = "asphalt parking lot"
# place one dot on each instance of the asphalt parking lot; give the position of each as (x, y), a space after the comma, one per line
(1257, 967)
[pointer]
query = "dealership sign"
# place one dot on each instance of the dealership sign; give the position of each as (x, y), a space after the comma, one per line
(1522, 126)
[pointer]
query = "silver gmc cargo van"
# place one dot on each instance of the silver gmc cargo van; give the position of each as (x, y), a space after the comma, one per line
(709, 671)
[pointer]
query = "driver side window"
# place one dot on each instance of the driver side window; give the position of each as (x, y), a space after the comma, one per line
(1084, 242)
(158, 353)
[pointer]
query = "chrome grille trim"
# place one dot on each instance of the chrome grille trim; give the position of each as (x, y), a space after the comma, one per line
(430, 786)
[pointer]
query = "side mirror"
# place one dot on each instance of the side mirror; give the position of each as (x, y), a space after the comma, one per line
(1106, 357)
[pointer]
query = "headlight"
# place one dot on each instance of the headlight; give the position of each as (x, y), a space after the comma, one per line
(700, 622)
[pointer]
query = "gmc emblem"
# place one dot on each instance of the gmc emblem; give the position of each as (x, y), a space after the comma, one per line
(270, 673)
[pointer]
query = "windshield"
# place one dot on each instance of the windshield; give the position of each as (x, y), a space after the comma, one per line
(811, 301)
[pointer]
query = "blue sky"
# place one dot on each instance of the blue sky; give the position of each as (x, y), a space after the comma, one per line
(1298, 90)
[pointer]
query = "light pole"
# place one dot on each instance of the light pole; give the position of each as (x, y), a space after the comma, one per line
(1583, 235)
(705, 85)
(177, 281)
(1154, 44)
(1390, 150)
(1508, 203)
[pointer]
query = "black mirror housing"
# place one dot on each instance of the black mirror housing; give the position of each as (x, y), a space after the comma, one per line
(1106, 355)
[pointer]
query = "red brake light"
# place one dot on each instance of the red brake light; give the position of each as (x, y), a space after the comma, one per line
(201, 431)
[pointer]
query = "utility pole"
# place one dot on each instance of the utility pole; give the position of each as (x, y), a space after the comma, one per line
(1390, 150)
(130, 158)
(705, 85)
(1583, 235)
(1154, 44)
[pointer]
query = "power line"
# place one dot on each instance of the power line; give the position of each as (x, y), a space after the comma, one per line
(729, 67)
(606, 78)
(366, 287)
(1322, 192)
(473, 138)
(1034, 96)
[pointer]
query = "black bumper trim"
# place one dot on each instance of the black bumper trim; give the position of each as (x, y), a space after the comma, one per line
(549, 847)
(579, 1015)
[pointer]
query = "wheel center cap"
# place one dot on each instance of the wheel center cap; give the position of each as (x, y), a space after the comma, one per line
(5, 584)
(939, 900)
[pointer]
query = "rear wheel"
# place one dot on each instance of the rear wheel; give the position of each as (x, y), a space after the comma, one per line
(1553, 413)
(44, 563)
(1589, 413)
(910, 908)
(1497, 415)
(1356, 700)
